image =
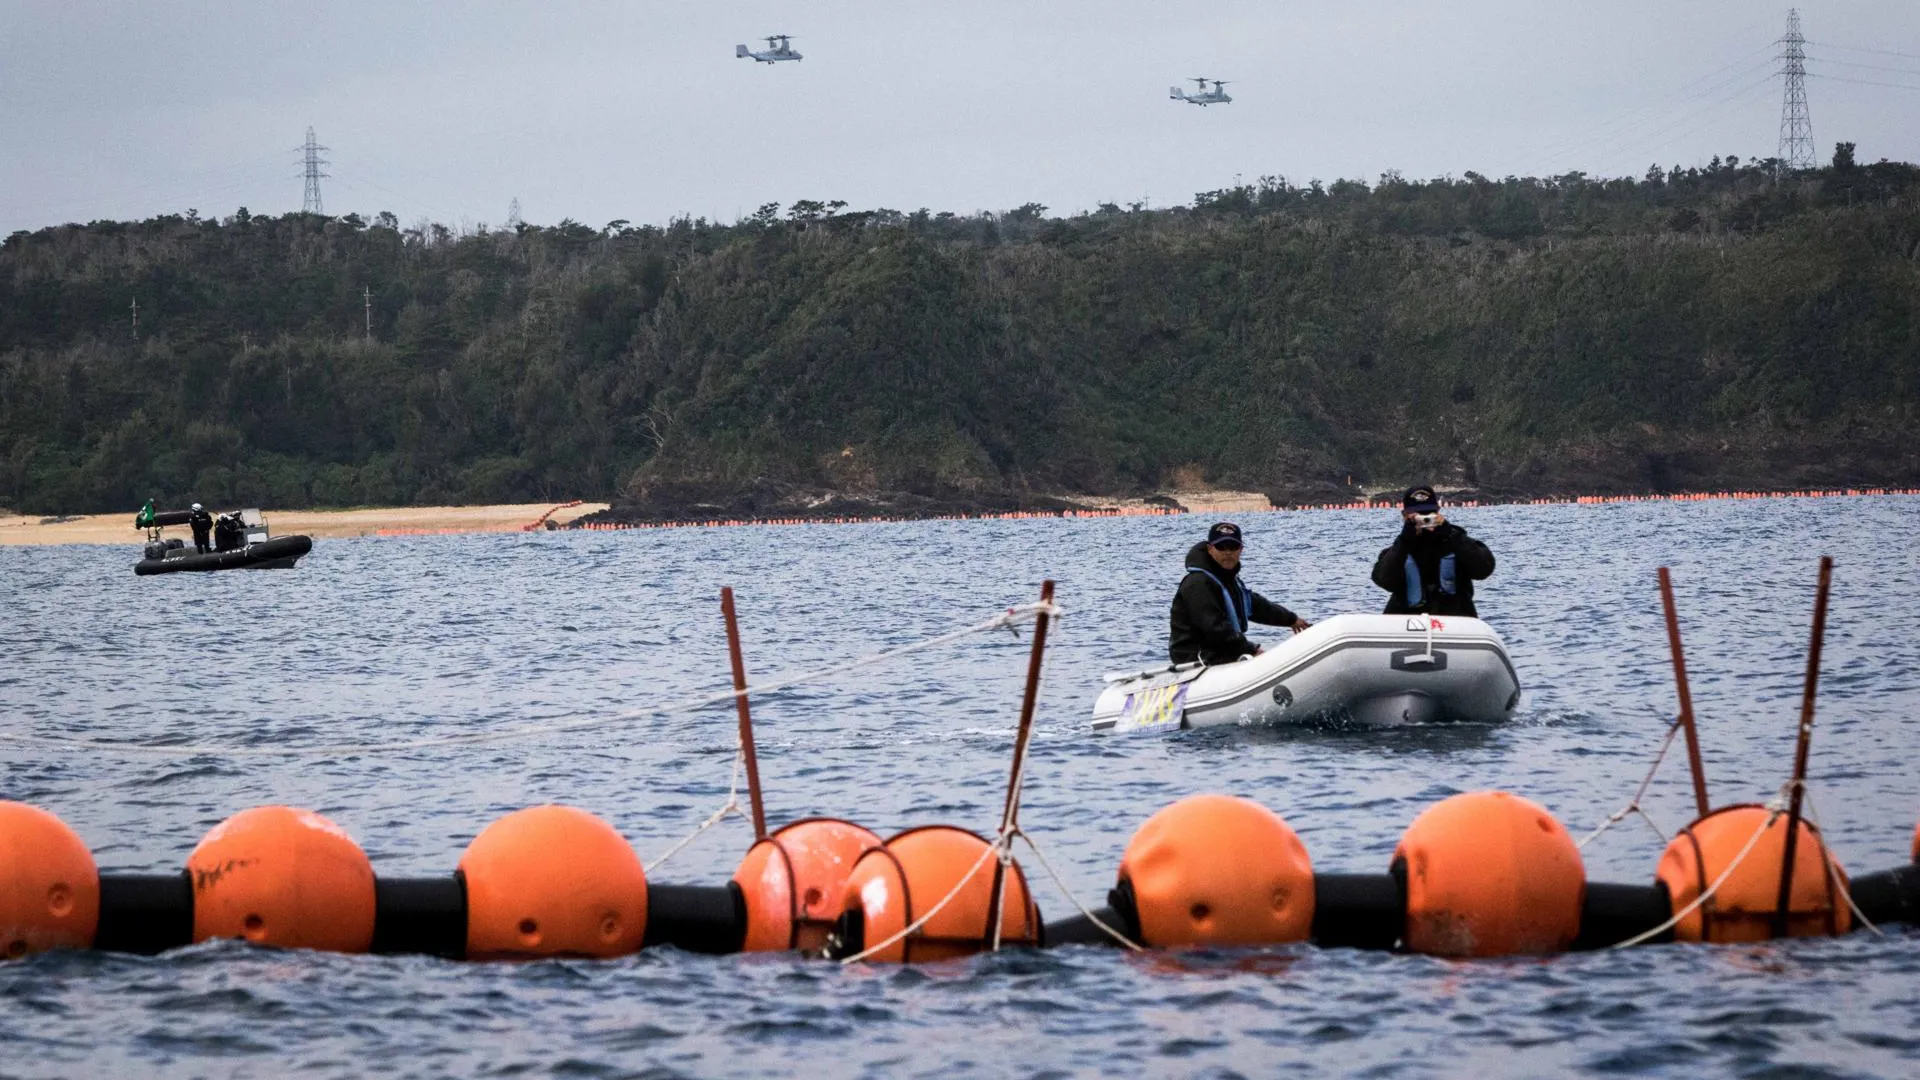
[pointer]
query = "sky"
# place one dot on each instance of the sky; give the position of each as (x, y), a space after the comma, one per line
(639, 110)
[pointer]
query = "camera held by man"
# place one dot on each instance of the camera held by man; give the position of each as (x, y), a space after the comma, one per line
(1431, 566)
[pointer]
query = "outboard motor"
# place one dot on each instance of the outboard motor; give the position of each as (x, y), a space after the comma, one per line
(156, 550)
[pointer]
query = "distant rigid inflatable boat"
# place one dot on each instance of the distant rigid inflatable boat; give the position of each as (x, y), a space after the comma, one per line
(255, 551)
(1372, 669)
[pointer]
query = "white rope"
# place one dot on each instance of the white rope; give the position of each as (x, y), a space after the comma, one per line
(1649, 935)
(916, 924)
(1633, 805)
(1075, 900)
(1009, 618)
(1834, 876)
(732, 806)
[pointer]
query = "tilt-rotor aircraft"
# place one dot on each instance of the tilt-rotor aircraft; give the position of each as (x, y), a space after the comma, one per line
(1205, 97)
(778, 49)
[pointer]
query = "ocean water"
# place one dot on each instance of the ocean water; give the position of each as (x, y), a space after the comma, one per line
(378, 641)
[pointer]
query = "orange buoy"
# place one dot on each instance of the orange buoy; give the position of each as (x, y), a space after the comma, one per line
(1219, 870)
(1742, 908)
(900, 881)
(793, 879)
(1489, 873)
(276, 875)
(49, 886)
(553, 881)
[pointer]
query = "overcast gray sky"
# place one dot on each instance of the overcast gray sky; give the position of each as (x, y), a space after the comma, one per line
(639, 110)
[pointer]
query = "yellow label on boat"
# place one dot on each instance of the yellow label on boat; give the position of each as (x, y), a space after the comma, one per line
(1154, 707)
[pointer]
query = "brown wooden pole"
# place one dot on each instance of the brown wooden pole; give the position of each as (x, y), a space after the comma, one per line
(1800, 752)
(1010, 816)
(1686, 696)
(746, 718)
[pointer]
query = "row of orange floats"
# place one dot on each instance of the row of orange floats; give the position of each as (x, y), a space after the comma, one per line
(1604, 500)
(1478, 875)
(537, 523)
(1142, 511)
(1010, 515)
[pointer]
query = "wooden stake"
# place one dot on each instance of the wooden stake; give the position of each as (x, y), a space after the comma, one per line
(746, 719)
(1800, 752)
(1010, 816)
(1686, 696)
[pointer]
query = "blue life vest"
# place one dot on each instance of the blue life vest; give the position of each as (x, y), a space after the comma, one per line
(1239, 615)
(1416, 594)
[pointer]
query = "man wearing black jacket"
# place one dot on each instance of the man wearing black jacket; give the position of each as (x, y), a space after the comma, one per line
(201, 523)
(1431, 567)
(1214, 609)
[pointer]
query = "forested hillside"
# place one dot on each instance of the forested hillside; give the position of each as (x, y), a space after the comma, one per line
(1700, 327)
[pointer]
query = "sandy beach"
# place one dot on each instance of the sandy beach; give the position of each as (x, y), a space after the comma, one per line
(118, 528)
(22, 530)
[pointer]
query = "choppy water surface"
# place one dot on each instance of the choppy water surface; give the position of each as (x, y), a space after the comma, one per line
(390, 639)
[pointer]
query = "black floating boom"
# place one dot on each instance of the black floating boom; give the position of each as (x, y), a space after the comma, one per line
(151, 913)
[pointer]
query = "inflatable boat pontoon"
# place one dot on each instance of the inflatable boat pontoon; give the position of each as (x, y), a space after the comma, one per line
(1372, 669)
(279, 553)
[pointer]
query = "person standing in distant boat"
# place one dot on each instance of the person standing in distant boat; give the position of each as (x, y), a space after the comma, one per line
(1214, 609)
(201, 523)
(1431, 567)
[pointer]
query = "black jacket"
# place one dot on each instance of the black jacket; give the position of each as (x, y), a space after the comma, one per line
(201, 523)
(1202, 629)
(1471, 562)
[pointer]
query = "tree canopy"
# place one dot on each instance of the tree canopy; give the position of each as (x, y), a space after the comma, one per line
(1700, 326)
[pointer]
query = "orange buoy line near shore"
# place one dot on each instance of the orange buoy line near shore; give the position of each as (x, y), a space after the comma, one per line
(1136, 511)
(536, 523)
(1158, 511)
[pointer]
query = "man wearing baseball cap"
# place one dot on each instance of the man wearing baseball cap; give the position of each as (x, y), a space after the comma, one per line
(1431, 567)
(1214, 609)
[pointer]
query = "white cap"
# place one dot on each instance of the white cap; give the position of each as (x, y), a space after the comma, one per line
(197, 506)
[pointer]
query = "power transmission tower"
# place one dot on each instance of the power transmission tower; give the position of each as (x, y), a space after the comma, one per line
(312, 160)
(1796, 128)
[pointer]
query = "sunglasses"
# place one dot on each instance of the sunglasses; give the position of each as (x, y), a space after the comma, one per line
(1226, 545)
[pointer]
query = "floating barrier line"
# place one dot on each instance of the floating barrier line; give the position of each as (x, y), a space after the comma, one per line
(1161, 511)
(1633, 805)
(1144, 511)
(1006, 620)
(535, 525)
(1776, 809)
